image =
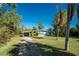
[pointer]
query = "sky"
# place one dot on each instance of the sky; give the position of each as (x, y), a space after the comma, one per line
(33, 12)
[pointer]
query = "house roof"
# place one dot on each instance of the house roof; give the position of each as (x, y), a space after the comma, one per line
(27, 29)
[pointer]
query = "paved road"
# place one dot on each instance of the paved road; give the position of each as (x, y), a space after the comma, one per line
(28, 48)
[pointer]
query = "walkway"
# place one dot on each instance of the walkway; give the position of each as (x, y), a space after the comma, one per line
(28, 48)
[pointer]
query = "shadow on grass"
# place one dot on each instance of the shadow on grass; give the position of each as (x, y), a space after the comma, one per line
(53, 51)
(15, 50)
(77, 40)
(45, 49)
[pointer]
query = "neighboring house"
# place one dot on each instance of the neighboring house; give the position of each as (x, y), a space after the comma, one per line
(27, 32)
(42, 34)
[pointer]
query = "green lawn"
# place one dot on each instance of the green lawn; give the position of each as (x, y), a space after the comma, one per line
(50, 46)
(5, 50)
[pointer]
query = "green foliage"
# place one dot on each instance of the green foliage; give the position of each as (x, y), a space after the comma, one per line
(4, 34)
(60, 24)
(40, 25)
(8, 22)
(3, 9)
(20, 30)
(74, 32)
(34, 32)
(49, 32)
(9, 46)
(8, 25)
(58, 20)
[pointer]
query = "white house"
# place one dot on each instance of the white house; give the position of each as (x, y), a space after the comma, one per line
(42, 34)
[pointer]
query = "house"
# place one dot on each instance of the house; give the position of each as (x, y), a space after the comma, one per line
(30, 32)
(42, 34)
(27, 32)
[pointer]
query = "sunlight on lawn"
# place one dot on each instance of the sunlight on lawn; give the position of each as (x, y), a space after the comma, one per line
(4, 50)
(48, 44)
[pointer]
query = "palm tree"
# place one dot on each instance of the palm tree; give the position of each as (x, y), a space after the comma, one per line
(40, 26)
(70, 13)
(58, 26)
(60, 21)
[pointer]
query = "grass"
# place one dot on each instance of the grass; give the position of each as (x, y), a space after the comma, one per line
(50, 46)
(4, 50)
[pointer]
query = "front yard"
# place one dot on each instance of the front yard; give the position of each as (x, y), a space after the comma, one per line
(50, 46)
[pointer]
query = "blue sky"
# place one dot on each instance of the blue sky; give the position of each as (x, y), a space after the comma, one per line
(33, 12)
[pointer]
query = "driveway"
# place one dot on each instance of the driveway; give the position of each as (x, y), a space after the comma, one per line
(28, 48)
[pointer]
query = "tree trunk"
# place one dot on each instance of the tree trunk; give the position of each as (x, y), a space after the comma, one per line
(57, 32)
(67, 35)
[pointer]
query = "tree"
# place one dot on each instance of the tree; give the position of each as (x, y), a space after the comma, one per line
(3, 10)
(57, 27)
(74, 32)
(9, 21)
(9, 25)
(70, 13)
(40, 26)
(34, 32)
(49, 32)
(60, 23)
